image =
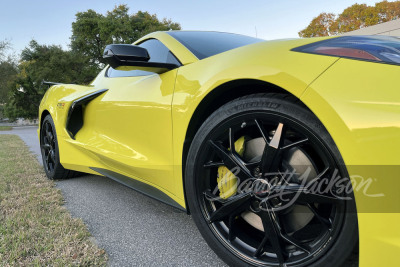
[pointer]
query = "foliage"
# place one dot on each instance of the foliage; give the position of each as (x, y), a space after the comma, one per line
(352, 18)
(92, 31)
(42, 62)
(8, 70)
(1, 112)
(4, 45)
(319, 26)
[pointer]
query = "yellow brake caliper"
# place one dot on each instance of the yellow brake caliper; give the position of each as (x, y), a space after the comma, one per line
(227, 181)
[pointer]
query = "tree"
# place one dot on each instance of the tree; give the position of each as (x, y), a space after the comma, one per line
(356, 17)
(4, 45)
(352, 18)
(319, 26)
(8, 70)
(42, 62)
(92, 31)
(388, 11)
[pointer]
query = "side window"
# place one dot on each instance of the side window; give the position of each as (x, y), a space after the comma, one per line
(158, 53)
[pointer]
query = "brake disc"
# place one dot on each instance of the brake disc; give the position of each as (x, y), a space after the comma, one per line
(294, 159)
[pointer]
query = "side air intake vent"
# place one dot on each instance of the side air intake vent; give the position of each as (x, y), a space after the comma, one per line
(75, 112)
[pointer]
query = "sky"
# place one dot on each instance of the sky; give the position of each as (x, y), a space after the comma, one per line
(49, 21)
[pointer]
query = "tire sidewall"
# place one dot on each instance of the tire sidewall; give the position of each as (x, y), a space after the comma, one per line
(50, 175)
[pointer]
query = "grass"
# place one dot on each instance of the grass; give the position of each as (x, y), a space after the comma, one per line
(35, 228)
(5, 128)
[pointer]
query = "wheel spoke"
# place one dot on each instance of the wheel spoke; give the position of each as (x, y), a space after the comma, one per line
(303, 195)
(50, 156)
(294, 144)
(46, 146)
(234, 205)
(53, 156)
(317, 198)
(260, 248)
(272, 153)
(276, 140)
(273, 232)
(296, 243)
(212, 164)
(231, 141)
(45, 140)
(262, 131)
(49, 133)
(46, 159)
(211, 197)
(231, 161)
(324, 221)
(251, 165)
(47, 129)
(232, 229)
(49, 163)
(320, 175)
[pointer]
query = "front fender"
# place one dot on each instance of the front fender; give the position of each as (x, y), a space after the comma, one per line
(270, 62)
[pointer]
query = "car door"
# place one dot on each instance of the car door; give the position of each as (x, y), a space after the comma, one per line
(129, 128)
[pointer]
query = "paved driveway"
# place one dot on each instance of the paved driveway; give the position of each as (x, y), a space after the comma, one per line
(134, 230)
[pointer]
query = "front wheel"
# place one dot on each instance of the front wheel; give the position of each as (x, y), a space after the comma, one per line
(50, 151)
(261, 185)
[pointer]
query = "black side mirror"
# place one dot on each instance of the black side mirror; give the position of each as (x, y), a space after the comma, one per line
(118, 55)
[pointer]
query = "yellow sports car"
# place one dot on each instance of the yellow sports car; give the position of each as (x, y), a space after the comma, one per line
(286, 153)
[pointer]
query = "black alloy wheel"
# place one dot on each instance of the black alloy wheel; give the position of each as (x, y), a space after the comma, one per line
(48, 146)
(50, 152)
(284, 206)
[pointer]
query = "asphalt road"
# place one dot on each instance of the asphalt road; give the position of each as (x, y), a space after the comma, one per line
(135, 230)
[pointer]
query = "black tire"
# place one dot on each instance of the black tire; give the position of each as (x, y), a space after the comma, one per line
(50, 152)
(342, 214)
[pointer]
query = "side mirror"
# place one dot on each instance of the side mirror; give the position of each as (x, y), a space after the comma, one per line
(122, 55)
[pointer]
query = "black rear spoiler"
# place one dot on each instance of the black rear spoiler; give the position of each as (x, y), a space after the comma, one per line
(50, 83)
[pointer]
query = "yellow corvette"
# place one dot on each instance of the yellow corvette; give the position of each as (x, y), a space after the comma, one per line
(286, 153)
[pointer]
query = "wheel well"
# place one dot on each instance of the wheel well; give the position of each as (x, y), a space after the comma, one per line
(44, 114)
(217, 98)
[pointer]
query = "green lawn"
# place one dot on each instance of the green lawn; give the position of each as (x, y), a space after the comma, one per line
(5, 128)
(35, 227)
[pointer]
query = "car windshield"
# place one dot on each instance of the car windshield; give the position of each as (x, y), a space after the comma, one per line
(207, 44)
